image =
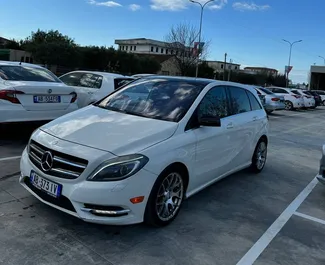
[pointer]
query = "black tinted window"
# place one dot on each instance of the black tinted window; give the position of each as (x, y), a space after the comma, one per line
(83, 80)
(239, 100)
(214, 103)
(266, 91)
(27, 73)
(255, 105)
(279, 90)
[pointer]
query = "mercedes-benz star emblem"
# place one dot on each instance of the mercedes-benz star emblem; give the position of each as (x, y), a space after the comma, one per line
(50, 91)
(47, 161)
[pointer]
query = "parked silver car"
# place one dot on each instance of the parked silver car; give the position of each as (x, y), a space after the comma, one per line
(321, 174)
(272, 102)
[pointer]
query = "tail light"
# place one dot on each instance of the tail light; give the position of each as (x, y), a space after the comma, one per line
(275, 99)
(296, 96)
(74, 97)
(10, 95)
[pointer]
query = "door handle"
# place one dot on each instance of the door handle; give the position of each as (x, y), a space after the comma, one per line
(254, 118)
(230, 125)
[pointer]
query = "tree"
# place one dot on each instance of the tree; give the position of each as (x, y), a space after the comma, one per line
(12, 44)
(181, 40)
(51, 48)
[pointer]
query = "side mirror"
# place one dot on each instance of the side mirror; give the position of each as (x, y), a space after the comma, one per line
(210, 121)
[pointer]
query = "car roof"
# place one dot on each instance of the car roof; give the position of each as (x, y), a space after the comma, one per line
(106, 74)
(7, 63)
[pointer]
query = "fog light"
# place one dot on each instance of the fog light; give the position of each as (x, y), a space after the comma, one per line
(136, 200)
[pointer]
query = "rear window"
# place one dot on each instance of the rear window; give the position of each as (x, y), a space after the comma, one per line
(27, 73)
(81, 79)
(295, 92)
(266, 91)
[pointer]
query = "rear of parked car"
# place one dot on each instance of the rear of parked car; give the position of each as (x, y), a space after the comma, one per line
(291, 100)
(321, 93)
(317, 98)
(272, 101)
(321, 173)
(309, 101)
(32, 93)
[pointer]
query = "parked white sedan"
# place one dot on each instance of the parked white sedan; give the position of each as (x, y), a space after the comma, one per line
(309, 101)
(292, 100)
(93, 86)
(128, 159)
(32, 93)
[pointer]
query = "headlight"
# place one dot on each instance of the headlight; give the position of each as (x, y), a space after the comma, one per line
(119, 168)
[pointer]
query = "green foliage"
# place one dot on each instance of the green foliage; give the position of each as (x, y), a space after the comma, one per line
(13, 44)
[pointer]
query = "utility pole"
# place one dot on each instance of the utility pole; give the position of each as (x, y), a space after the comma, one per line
(224, 68)
(229, 69)
(291, 44)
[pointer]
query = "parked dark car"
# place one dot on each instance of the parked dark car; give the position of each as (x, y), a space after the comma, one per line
(318, 99)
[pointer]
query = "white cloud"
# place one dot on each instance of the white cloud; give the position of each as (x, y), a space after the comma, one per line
(107, 4)
(168, 5)
(134, 7)
(176, 5)
(219, 4)
(244, 6)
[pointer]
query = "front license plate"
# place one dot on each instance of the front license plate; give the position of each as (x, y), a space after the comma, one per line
(47, 99)
(45, 185)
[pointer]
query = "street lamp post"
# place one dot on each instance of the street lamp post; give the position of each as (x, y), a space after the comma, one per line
(322, 58)
(291, 44)
(202, 8)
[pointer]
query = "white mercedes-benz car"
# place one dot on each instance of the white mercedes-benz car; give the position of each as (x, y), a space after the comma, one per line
(138, 153)
(93, 86)
(32, 93)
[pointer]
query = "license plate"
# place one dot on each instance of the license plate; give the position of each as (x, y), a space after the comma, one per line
(47, 99)
(45, 185)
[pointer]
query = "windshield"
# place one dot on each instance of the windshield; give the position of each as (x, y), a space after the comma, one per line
(26, 73)
(155, 98)
(266, 91)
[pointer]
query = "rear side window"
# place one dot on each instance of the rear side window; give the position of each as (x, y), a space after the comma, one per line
(280, 90)
(214, 103)
(239, 100)
(83, 80)
(266, 91)
(255, 105)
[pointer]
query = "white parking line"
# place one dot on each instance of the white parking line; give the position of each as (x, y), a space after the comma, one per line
(9, 158)
(311, 218)
(256, 250)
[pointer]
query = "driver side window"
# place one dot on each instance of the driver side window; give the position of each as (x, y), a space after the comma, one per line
(214, 103)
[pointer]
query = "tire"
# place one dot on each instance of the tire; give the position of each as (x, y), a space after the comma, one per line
(323, 102)
(259, 156)
(160, 198)
(288, 105)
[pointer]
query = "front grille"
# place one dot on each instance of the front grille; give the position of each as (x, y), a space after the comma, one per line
(64, 166)
(62, 201)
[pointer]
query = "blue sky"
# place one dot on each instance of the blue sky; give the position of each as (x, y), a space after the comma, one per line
(251, 32)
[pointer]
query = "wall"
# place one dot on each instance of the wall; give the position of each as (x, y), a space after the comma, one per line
(218, 66)
(16, 56)
(169, 67)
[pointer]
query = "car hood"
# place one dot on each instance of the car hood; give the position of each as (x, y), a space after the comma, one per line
(110, 131)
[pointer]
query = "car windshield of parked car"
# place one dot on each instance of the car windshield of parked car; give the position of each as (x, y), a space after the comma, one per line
(26, 73)
(266, 91)
(155, 98)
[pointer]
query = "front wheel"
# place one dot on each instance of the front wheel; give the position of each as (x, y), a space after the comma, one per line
(288, 105)
(259, 156)
(165, 198)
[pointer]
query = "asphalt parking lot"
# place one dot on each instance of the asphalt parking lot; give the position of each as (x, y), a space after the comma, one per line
(277, 217)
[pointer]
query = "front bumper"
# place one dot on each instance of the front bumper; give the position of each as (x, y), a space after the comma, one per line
(77, 195)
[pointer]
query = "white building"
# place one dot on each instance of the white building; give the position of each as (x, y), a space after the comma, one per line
(219, 66)
(317, 77)
(149, 46)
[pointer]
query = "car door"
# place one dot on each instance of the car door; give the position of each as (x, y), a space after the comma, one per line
(87, 86)
(213, 143)
(243, 126)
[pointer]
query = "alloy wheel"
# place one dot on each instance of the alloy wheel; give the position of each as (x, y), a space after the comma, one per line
(170, 196)
(288, 105)
(261, 155)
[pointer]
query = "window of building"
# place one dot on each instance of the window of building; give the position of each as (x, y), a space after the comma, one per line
(239, 100)
(126, 48)
(22, 59)
(157, 50)
(151, 49)
(162, 50)
(172, 51)
(221, 66)
(214, 103)
(165, 72)
(255, 105)
(131, 48)
(236, 67)
(166, 51)
(178, 74)
(135, 48)
(27, 59)
(31, 60)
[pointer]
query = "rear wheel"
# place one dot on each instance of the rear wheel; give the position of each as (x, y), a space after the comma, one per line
(323, 102)
(288, 105)
(165, 198)
(259, 157)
